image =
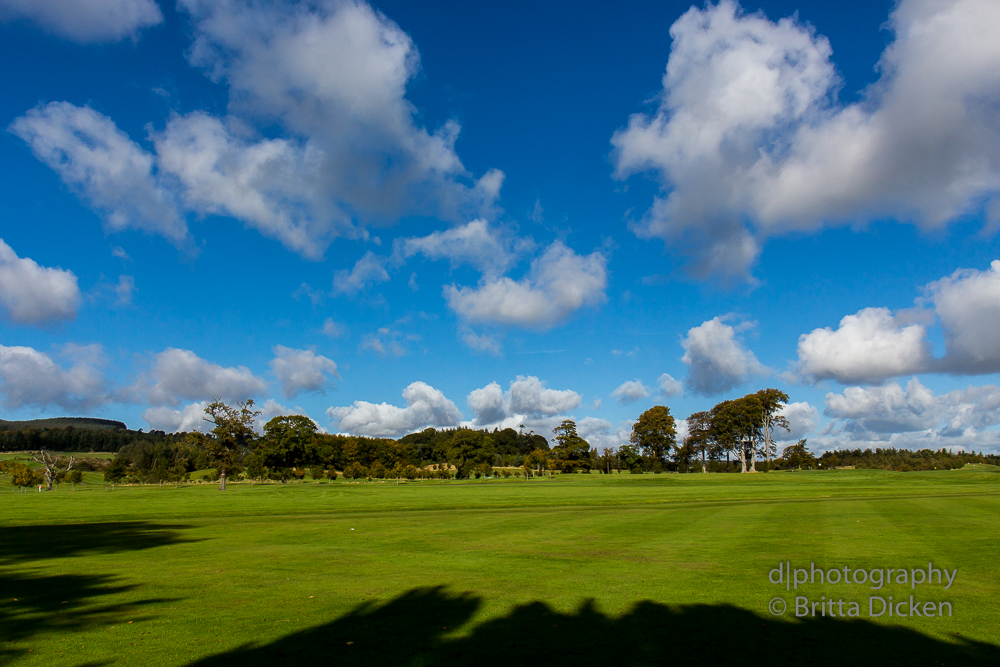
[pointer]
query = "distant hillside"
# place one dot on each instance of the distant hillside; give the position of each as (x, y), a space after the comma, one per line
(63, 422)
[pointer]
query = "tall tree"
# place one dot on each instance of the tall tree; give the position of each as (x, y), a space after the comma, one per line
(287, 443)
(572, 451)
(655, 433)
(698, 438)
(231, 436)
(772, 401)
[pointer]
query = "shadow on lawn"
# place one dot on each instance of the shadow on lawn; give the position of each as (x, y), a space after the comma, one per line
(414, 629)
(38, 604)
(25, 544)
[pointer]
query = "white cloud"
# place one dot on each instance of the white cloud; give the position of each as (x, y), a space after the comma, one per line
(968, 303)
(669, 387)
(559, 283)
(301, 371)
(482, 342)
(86, 20)
(867, 347)
(474, 243)
(332, 75)
(630, 392)
(367, 271)
(889, 416)
(189, 418)
(717, 360)
(332, 329)
(384, 342)
(526, 401)
(269, 184)
(30, 377)
(33, 294)
(748, 130)
(425, 407)
(601, 433)
(124, 289)
(802, 421)
(178, 375)
(106, 168)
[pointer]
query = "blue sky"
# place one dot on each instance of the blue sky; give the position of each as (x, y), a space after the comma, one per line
(402, 215)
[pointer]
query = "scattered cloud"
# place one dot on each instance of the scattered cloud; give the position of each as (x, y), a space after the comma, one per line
(601, 433)
(177, 375)
(31, 378)
(188, 419)
(475, 244)
(631, 391)
(332, 329)
(367, 271)
(669, 387)
(803, 418)
(301, 371)
(86, 21)
(527, 401)
(559, 283)
(384, 342)
(716, 359)
(33, 294)
(482, 342)
(749, 142)
(425, 407)
(103, 166)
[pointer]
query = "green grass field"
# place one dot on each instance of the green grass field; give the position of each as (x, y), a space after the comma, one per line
(581, 570)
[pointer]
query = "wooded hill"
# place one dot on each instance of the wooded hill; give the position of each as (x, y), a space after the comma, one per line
(63, 422)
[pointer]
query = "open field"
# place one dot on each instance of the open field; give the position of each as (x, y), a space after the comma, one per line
(585, 569)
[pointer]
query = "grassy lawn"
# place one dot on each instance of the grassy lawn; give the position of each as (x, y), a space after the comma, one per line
(645, 569)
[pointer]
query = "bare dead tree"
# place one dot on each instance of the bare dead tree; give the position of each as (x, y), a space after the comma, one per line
(55, 466)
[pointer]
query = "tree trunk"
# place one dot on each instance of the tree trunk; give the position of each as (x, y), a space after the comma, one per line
(743, 459)
(48, 480)
(222, 482)
(704, 464)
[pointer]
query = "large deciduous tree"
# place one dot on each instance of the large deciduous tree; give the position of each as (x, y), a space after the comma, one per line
(655, 433)
(288, 442)
(231, 436)
(772, 401)
(699, 426)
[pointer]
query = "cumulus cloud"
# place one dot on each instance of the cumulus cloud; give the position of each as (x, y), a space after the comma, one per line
(874, 344)
(178, 375)
(559, 283)
(301, 371)
(29, 377)
(527, 401)
(601, 433)
(802, 419)
(630, 391)
(33, 294)
(914, 417)
(86, 21)
(968, 303)
(867, 347)
(367, 271)
(332, 329)
(189, 418)
(269, 184)
(425, 407)
(475, 244)
(103, 166)
(748, 140)
(669, 387)
(332, 75)
(716, 359)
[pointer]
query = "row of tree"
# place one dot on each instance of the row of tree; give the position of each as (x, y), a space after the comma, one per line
(904, 460)
(74, 439)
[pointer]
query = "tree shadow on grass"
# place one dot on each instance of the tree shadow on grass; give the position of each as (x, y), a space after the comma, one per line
(416, 629)
(37, 604)
(28, 544)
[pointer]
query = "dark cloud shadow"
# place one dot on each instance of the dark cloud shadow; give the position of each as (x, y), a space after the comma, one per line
(417, 629)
